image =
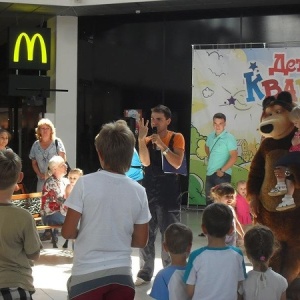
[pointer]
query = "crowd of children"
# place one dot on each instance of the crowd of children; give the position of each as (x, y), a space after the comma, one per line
(196, 279)
(215, 271)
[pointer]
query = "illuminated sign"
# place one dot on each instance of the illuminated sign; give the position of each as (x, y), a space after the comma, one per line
(29, 48)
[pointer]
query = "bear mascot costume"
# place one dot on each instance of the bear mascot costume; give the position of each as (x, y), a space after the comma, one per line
(278, 132)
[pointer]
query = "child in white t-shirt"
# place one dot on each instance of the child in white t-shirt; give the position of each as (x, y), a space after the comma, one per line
(262, 282)
(215, 271)
(114, 215)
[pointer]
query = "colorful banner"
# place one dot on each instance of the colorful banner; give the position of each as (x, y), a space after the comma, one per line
(235, 82)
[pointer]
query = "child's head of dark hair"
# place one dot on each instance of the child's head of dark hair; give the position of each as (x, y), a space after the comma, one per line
(221, 190)
(260, 245)
(178, 238)
(10, 168)
(217, 219)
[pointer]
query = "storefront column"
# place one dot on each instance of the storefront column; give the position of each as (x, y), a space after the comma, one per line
(62, 106)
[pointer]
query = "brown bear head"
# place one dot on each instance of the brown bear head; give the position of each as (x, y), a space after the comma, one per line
(275, 120)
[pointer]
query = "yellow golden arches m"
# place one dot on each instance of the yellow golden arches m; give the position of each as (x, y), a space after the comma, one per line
(30, 42)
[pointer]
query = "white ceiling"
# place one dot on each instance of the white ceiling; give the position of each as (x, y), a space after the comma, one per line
(22, 13)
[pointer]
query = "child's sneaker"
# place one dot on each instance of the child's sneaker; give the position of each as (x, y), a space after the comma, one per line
(278, 190)
(139, 281)
(287, 203)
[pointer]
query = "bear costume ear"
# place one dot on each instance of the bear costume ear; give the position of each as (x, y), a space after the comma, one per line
(285, 96)
(268, 101)
(283, 99)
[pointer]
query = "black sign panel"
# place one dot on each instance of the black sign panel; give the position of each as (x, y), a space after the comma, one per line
(29, 48)
(22, 85)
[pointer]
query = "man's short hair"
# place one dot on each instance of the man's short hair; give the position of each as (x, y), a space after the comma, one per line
(116, 142)
(162, 109)
(178, 237)
(10, 168)
(217, 219)
(219, 116)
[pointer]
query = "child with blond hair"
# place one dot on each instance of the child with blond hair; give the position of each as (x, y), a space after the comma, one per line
(73, 176)
(225, 193)
(242, 206)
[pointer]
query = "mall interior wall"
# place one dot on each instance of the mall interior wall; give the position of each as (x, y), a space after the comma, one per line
(138, 61)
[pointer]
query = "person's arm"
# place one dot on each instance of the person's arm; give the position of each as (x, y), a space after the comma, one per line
(206, 150)
(36, 169)
(34, 256)
(174, 157)
(190, 290)
(69, 229)
(68, 191)
(240, 291)
(63, 155)
(60, 149)
(232, 202)
(231, 161)
(140, 235)
(239, 227)
(46, 197)
(256, 177)
(283, 296)
(143, 150)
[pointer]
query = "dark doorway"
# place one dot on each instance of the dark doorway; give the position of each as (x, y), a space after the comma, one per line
(20, 115)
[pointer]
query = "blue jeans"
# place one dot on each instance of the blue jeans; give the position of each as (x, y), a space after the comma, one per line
(213, 180)
(55, 219)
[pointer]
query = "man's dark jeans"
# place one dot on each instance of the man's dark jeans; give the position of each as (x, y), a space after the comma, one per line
(161, 219)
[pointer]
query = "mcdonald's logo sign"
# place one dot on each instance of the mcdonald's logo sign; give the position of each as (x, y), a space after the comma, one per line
(29, 48)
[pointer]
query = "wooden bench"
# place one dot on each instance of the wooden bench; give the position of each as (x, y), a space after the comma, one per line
(32, 203)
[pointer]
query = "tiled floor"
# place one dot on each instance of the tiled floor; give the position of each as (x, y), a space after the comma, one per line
(54, 266)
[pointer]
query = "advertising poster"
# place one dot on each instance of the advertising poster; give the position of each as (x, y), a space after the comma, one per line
(235, 82)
